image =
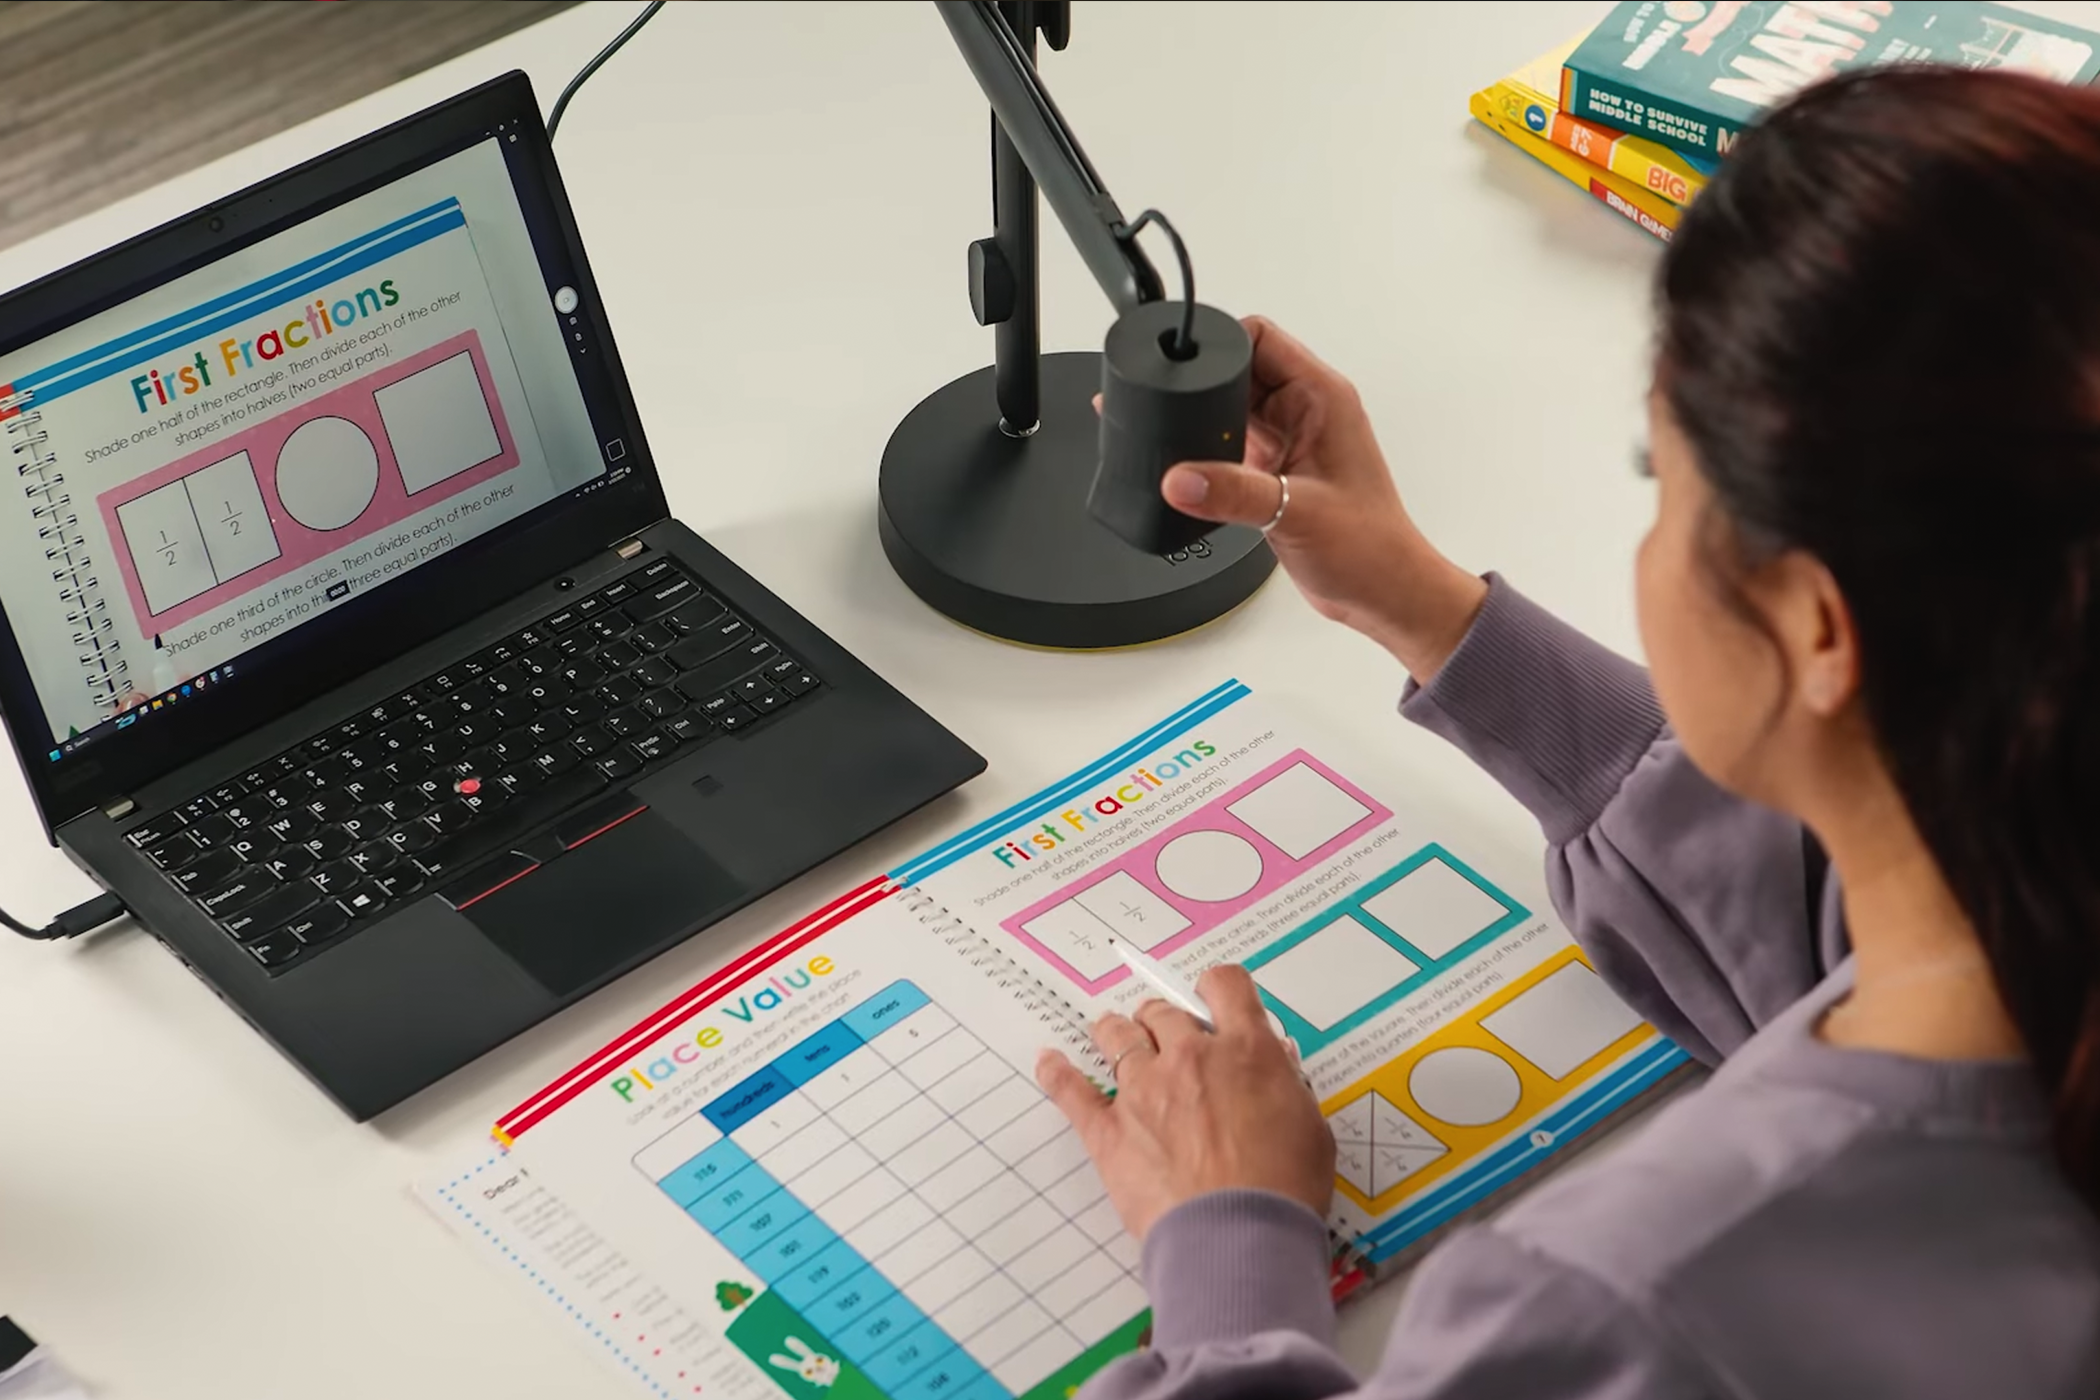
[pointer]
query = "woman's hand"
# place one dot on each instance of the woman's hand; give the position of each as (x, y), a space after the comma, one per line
(1196, 1111)
(1346, 540)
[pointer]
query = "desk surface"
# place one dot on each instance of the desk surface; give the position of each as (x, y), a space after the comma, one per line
(777, 200)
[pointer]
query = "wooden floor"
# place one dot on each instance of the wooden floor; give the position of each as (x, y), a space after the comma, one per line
(99, 98)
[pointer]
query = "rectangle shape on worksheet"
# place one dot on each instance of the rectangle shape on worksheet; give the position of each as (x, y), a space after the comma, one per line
(1197, 874)
(439, 422)
(1563, 1021)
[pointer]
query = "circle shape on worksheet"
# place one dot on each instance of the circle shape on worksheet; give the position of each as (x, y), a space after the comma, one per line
(1465, 1086)
(1209, 866)
(327, 473)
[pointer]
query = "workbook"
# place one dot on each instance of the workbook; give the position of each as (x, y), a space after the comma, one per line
(826, 1169)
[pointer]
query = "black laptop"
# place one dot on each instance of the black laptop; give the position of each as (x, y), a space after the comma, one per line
(348, 636)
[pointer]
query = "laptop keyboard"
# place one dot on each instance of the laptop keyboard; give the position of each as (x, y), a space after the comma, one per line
(294, 856)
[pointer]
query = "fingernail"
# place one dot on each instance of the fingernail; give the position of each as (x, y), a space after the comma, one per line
(1185, 488)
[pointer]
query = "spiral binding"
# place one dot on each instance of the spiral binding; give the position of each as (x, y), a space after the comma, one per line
(1031, 991)
(65, 549)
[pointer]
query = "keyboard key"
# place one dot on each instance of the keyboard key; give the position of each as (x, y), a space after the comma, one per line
(751, 687)
(290, 863)
(650, 747)
(621, 690)
(584, 708)
(229, 792)
(618, 656)
(400, 882)
(709, 642)
(250, 847)
(801, 683)
(501, 654)
(447, 818)
(329, 843)
(505, 680)
(661, 704)
(286, 792)
(770, 701)
(276, 950)
(335, 877)
(546, 690)
(624, 722)
(694, 615)
(372, 858)
(734, 718)
(715, 704)
(582, 673)
(556, 761)
(784, 666)
(530, 637)
(237, 894)
(661, 597)
(175, 852)
(473, 697)
(657, 670)
(618, 592)
(442, 748)
(540, 661)
(592, 740)
(520, 780)
(272, 910)
(295, 825)
(411, 838)
(611, 626)
(361, 901)
(207, 871)
(724, 671)
(652, 571)
(405, 805)
(590, 607)
(155, 831)
(685, 728)
(619, 764)
(318, 925)
(246, 812)
(197, 808)
(331, 806)
(563, 621)
(514, 710)
(548, 727)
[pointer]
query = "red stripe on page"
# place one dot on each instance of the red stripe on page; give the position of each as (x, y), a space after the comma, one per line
(696, 997)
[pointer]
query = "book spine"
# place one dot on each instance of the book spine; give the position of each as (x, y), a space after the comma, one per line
(1622, 156)
(1622, 106)
(1649, 212)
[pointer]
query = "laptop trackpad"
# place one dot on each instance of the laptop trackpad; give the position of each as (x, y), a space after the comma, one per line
(622, 895)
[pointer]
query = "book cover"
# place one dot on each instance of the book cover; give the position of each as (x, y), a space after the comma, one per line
(1530, 97)
(1693, 75)
(1650, 211)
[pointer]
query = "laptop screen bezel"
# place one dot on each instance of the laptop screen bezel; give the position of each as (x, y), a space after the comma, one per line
(292, 669)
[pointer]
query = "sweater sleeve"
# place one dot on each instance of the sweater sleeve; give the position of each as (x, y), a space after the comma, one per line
(1240, 1309)
(1703, 910)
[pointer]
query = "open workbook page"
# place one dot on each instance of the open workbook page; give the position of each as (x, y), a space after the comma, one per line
(1456, 1037)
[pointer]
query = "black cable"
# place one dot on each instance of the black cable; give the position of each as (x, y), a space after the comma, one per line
(1185, 339)
(81, 918)
(561, 103)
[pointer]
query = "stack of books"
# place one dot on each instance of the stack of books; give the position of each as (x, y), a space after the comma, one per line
(1641, 110)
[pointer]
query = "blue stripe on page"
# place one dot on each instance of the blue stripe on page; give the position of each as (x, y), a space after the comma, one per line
(1060, 792)
(95, 365)
(1491, 1173)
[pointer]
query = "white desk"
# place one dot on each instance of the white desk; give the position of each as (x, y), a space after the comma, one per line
(777, 199)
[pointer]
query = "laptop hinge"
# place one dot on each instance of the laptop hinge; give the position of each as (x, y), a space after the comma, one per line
(627, 549)
(122, 807)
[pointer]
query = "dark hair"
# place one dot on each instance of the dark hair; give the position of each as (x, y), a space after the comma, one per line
(1881, 336)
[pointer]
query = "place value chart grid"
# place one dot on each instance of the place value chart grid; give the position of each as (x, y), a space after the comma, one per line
(920, 1217)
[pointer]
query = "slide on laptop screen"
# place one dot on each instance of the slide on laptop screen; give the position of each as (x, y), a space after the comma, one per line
(250, 444)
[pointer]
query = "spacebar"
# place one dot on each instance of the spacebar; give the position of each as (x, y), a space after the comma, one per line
(509, 822)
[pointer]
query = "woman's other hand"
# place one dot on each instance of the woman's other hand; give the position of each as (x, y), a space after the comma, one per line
(1196, 1111)
(1346, 540)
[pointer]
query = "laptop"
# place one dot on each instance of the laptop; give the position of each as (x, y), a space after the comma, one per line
(348, 637)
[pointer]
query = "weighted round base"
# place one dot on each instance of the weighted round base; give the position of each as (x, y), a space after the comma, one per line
(993, 530)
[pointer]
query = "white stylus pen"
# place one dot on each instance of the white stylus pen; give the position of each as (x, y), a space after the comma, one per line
(1179, 991)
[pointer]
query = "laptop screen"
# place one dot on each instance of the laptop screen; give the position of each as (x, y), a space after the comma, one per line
(222, 460)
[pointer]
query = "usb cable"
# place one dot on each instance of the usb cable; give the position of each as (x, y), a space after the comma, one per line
(81, 918)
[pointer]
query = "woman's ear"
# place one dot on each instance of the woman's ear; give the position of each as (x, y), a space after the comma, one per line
(1816, 631)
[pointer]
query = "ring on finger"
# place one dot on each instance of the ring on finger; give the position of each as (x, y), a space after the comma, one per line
(1283, 502)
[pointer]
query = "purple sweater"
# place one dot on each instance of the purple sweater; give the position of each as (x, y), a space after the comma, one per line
(1811, 1222)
